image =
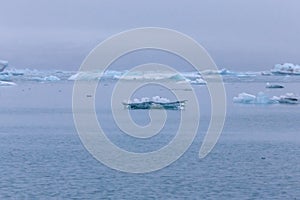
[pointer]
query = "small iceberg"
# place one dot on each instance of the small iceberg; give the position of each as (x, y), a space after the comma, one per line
(260, 98)
(7, 83)
(274, 86)
(286, 69)
(156, 102)
(288, 98)
(266, 73)
(51, 78)
(3, 65)
(197, 81)
(218, 72)
(86, 76)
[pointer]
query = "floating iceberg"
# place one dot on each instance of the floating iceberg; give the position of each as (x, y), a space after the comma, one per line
(261, 98)
(274, 86)
(288, 98)
(86, 76)
(51, 78)
(7, 83)
(150, 75)
(266, 73)
(218, 72)
(3, 65)
(134, 76)
(198, 81)
(286, 69)
(226, 72)
(156, 102)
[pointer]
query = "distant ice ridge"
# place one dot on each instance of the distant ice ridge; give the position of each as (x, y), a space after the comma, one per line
(261, 98)
(157, 75)
(34, 75)
(226, 72)
(91, 75)
(125, 75)
(56, 75)
(192, 77)
(286, 69)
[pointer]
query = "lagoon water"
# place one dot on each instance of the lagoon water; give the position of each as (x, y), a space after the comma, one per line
(42, 157)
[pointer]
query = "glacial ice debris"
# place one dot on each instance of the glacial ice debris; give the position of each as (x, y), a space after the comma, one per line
(51, 78)
(155, 103)
(198, 81)
(260, 98)
(288, 98)
(7, 83)
(286, 69)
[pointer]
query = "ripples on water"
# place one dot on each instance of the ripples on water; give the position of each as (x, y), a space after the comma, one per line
(42, 157)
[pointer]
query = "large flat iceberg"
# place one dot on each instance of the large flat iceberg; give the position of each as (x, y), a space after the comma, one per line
(260, 98)
(156, 102)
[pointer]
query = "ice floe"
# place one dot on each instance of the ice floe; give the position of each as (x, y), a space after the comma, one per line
(274, 86)
(260, 98)
(7, 83)
(288, 98)
(155, 102)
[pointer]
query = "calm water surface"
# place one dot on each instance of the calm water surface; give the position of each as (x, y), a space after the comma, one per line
(42, 157)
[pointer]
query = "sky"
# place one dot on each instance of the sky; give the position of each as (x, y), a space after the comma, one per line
(239, 35)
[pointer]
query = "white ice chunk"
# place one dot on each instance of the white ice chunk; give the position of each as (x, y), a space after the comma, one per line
(7, 83)
(51, 78)
(286, 69)
(198, 81)
(261, 98)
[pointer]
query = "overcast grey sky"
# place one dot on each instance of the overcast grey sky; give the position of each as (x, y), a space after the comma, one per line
(239, 35)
